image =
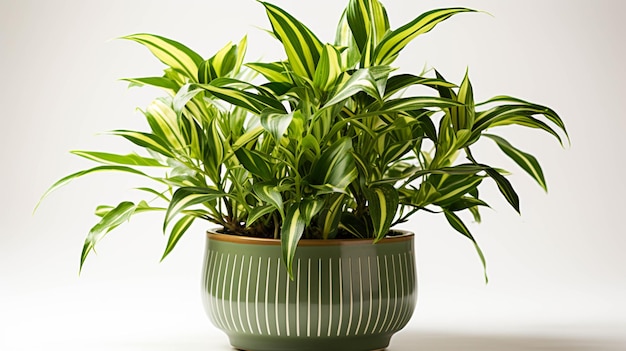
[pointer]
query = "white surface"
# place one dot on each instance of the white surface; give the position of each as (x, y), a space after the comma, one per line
(557, 273)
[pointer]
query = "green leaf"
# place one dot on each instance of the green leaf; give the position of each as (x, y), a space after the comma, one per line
(269, 194)
(257, 212)
(189, 196)
(159, 82)
(302, 47)
(177, 232)
(290, 234)
(274, 71)
(310, 207)
(505, 187)
(61, 182)
(336, 166)
(113, 218)
(252, 102)
(453, 187)
(115, 159)
(145, 140)
(172, 53)
(526, 161)
(255, 162)
(464, 118)
(395, 41)
(329, 69)
(368, 21)
(276, 122)
(366, 80)
(383, 203)
(404, 81)
(331, 214)
(412, 103)
(460, 227)
(220, 65)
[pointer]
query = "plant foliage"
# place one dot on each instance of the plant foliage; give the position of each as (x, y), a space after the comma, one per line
(325, 146)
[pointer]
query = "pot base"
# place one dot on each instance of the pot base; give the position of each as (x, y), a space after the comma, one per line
(349, 343)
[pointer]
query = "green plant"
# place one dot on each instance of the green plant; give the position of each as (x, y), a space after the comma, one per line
(324, 146)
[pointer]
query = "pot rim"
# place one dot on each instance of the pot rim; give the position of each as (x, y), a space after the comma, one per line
(212, 234)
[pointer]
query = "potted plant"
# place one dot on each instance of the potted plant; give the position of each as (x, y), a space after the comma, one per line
(305, 165)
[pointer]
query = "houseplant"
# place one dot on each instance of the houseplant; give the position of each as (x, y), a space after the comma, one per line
(310, 156)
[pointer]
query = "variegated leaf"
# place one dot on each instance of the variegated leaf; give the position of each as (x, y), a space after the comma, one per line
(177, 232)
(172, 53)
(255, 162)
(368, 22)
(460, 227)
(335, 166)
(302, 47)
(145, 140)
(290, 233)
(270, 195)
(189, 196)
(329, 68)
(276, 122)
(113, 218)
(526, 161)
(115, 159)
(383, 203)
(396, 40)
(367, 80)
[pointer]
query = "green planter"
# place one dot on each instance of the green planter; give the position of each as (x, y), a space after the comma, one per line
(348, 295)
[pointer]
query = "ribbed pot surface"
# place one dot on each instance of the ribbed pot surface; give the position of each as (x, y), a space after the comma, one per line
(346, 295)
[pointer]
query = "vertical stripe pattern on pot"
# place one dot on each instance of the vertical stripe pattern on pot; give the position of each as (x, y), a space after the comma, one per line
(249, 291)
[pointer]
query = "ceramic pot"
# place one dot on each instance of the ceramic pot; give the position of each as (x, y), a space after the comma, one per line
(346, 295)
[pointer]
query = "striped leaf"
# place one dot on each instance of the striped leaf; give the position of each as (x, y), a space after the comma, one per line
(177, 232)
(302, 47)
(219, 65)
(255, 162)
(165, 123)
(252, 102)
(273, 71)
(270, 195)
(411, 103)
(520, 113)
(383, 203)
(526, 161)
(368, 22)
(465, 115)
(330, 215)
(189, 196)
(505, 187)
(257, 212)
(460, 227)
(544, 110)
(336, 166)
(115, 159)
(391, 45)
(172, 53)
(113, 218)
(403, 81)
(310, 207)
(366, 80)
(276, 122)
(453, 187)
(146, 140)
(345, 39)
(329, 69)
(63, 181)
(290, 233)
(159, 82)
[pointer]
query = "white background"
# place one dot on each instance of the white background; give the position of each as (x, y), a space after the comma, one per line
(557, 273)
